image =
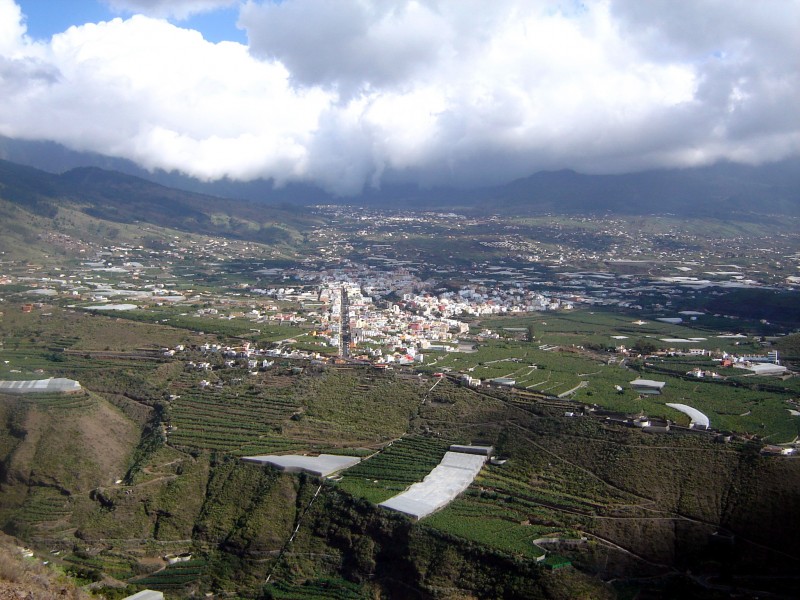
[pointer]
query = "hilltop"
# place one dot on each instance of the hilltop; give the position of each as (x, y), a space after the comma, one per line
(725, 190)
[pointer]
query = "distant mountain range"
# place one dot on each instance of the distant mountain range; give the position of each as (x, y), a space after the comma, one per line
(722, 190)
(120, 198)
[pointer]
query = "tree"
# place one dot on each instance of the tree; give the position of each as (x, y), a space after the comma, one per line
(644, 346)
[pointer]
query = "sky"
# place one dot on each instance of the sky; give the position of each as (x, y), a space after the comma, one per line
(348, 94)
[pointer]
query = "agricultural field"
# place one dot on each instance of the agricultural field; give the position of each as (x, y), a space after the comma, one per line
(181, 317)
(58, 328)
(237, 414)
(145, 461)
(354, 408)
(58, 401)
(595, 328)
(282, 409)
(90, 567)
(487, 524)
(390, 471)
(569, 484)
(535, 494)
(174, 577)
(45, 508)
(320, 589)
(733, 402)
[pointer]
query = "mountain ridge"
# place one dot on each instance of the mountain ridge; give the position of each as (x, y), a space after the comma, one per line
(722, 187)
(121, 198)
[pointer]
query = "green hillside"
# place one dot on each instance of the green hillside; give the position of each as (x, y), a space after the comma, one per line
(104, 206)
(142, 464)
(112, 484)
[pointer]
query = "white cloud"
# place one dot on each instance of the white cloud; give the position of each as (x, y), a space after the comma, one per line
(177, 9)
(348, 93)
(177, 102)
(12, 28)
(346, 44)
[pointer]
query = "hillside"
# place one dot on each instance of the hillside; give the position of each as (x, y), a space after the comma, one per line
(115, 199)
(726, 190)
(144, 464)
(22, 575)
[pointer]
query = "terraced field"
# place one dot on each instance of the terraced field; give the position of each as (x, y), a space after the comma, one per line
(174, 577)
(735, 402)
(56, 401)
(241, 418)
(45, 508)
(117, 565)
(328, 589)
(392, 470)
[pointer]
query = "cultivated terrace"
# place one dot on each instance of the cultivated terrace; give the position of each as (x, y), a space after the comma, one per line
(571, 345)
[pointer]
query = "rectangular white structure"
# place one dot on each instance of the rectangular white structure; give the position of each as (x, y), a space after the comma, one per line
(321, 466)
(452, 476)
(767, 369)
(40, 386)
(648, 386)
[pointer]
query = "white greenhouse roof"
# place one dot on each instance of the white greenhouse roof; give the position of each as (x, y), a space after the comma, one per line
(698, 419)
(767, 369)
(112, 307)
(146, 595)
(321, 466)
(648, 383)
(38, 386)
(484, 450)
(452, 476)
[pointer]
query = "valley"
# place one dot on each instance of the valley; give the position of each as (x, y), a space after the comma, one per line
(199, 341)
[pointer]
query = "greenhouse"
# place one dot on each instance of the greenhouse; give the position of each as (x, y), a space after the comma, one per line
(40, 386)
(321, 466)
(698, 419)
(440, 487)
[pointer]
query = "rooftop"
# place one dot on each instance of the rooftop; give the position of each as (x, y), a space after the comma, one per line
(321, 466)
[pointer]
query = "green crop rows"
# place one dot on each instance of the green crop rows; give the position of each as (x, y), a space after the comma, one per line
(117, 565)
(241, 418)
(485, 524)
(174, 576)
(44, 505)
(734, 402)
(217, 325)
(56, 401)
(389, 472)
(333, 589)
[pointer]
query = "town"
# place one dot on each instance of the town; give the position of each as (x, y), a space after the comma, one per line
(450, 368)
(435, 291)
